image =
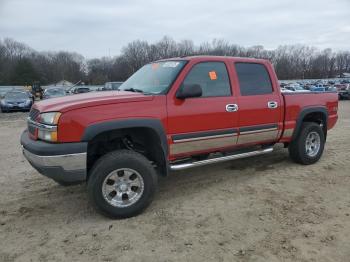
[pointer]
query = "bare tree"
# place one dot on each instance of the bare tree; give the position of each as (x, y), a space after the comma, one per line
(17, 60)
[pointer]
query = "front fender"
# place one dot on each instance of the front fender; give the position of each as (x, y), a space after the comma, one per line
(154, 124)
(93, 130)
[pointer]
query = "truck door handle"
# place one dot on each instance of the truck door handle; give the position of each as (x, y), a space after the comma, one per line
(231, 107)
(272, 104)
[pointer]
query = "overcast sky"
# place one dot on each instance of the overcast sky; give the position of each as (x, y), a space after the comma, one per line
(98, 28)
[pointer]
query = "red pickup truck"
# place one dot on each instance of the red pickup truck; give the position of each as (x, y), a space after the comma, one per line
(172, 114)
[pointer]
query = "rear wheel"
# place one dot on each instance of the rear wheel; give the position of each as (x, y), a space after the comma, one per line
(122, 183)
(307, 147)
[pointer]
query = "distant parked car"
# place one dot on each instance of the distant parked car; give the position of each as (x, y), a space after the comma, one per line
(30, 95)
(343, 91)
(54, 92)
(296, 88)
(331, 89)
(283, 84)
(81, 89)
(111, 86)
(317, 88)
(16, 100)
(285, 90)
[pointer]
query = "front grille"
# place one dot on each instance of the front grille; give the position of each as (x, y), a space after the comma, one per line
(33, 114)
(32, 130)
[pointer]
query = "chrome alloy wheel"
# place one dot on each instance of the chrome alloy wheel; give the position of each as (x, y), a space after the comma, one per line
(312, 144)
(123, 187)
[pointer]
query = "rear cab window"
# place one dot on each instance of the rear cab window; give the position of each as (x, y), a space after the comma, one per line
(212, 78)
(254, 79)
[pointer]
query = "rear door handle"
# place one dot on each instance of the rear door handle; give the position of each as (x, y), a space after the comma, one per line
(231, 107)
(272, 104)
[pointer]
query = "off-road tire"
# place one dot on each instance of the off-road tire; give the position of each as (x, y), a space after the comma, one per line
(113, 161)
(297, 148)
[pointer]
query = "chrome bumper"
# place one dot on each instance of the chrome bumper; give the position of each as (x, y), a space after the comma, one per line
(61, 168)
(69, 162)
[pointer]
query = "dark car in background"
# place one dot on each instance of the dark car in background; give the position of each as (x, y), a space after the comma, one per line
(81, 89)
(16, 101)
(54, 92)
(343, 90)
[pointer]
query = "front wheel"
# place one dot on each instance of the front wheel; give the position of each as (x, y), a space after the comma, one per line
(307, 147)
(122, 183)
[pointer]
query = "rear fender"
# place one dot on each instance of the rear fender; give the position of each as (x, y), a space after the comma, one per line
(307, 111)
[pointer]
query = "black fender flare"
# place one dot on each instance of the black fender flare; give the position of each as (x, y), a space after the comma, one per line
(306, 111)
(154, 124)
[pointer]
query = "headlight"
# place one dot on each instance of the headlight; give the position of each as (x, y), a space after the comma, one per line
(3, 102)
(48, 132)
(50, 118)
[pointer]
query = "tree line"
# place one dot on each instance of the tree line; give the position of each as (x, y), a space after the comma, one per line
(22, 65)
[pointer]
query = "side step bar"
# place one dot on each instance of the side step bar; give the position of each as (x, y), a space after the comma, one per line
(220, 159)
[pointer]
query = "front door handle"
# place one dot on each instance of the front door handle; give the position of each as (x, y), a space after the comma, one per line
(231, 107)
(272, 104)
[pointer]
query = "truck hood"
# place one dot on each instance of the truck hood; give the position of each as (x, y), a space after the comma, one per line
(71, 102)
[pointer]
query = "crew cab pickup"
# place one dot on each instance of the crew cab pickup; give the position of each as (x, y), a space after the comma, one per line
(172, 114)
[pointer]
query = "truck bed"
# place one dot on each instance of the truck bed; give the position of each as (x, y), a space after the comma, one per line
(296, 103)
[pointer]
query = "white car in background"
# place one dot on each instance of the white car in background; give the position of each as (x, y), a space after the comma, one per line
(296, 88)
(285, 90)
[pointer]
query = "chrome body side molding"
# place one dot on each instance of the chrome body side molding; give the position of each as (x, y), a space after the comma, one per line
(288, 132)
(260, 133)
(257, 137)
(215, 139)
(199, 141)
(203, 144)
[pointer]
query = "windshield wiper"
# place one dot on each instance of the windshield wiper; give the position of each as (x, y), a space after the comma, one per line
(133, 90)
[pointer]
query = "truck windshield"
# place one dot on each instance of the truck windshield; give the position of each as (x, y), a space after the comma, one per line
(154, 78)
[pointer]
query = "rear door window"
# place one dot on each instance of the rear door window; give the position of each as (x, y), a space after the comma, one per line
(253, 79)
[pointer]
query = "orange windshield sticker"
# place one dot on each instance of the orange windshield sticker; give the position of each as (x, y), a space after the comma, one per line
(212, 75)
(155, 66)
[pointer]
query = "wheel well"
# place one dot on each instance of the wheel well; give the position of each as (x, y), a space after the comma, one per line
(143, 140)
(319, 118)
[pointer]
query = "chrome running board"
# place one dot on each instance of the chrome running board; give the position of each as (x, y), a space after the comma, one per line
(220, 159)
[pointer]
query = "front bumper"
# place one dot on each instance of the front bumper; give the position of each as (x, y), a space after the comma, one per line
(65, 162)
(15, 107)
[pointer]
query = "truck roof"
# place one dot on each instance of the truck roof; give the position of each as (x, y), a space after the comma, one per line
(216, 58)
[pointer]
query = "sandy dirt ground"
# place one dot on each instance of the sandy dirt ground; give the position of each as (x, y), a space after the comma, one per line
(258, 209)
